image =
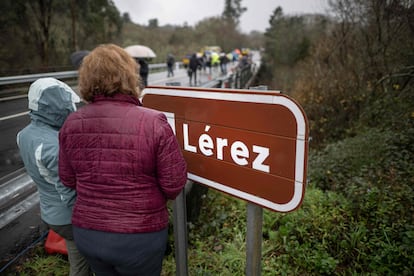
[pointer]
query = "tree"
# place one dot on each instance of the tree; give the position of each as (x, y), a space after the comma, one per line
(153, 23)
(233, 10)
(40, 33)
(126, 17)
(365, 55)
(287, 40)
(287, 43)
(219, 31)
(13, 27)
(100, 22)
(40, 14)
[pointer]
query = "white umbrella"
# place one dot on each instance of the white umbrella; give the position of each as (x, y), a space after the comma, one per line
(140, 51)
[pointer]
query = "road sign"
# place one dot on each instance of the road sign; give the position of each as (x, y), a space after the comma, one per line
(250, 144)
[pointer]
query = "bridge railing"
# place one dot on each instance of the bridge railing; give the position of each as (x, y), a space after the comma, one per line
(60, 75)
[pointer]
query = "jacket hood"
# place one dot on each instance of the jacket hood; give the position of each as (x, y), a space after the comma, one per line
(51, 101)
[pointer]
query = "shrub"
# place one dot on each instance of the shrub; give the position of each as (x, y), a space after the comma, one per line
(375, 172)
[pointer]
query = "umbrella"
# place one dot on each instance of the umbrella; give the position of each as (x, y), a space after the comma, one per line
(77, 57)
(140, 51)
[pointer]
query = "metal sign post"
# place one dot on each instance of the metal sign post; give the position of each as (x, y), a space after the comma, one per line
(254, 239)
(254, 232)
(180, 234)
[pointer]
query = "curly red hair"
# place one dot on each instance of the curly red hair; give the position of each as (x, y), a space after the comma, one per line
(108, 70)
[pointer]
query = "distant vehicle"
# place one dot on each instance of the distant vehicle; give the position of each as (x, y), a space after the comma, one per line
(245, 51)
(210, 49)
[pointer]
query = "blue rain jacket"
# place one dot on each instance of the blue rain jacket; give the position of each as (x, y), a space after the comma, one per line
(50, 102)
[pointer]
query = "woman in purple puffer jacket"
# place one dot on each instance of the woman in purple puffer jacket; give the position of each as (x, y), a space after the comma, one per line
(125, 163)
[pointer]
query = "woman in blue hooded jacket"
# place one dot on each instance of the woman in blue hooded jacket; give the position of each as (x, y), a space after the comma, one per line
(50, 102)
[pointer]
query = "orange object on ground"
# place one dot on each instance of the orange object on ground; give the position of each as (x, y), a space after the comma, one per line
(55, 243)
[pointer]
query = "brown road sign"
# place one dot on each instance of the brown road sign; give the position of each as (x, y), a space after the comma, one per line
(250, 144)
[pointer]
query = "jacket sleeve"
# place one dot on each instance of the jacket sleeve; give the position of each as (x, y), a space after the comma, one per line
(171, 165)
(48, 169)
(66, 173)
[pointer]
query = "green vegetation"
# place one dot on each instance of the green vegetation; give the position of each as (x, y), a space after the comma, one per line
(353, 74)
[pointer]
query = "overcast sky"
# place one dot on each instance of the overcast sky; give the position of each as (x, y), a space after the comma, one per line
(178, 12)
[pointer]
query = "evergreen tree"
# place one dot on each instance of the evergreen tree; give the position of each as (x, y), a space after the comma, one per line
(233, 10)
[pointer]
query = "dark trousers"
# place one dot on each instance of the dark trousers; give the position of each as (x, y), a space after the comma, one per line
(193, 73)
(170, 71)
(122, 254)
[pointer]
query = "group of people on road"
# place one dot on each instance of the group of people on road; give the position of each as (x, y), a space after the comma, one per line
(213, 60)
(104, 171)
(195, 63)
(204, 61)
(207, 60)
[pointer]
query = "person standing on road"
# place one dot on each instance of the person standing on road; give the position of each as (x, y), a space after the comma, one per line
(50, 102)
(143, 71)
(193, 66)
(170, 65)
(125, 163)
(223, 63)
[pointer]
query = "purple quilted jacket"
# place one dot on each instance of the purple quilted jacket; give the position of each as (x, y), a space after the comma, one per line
(124, 162)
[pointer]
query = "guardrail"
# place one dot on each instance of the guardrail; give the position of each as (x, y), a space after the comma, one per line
(60, 75)
(240, 78)
(12, 192)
